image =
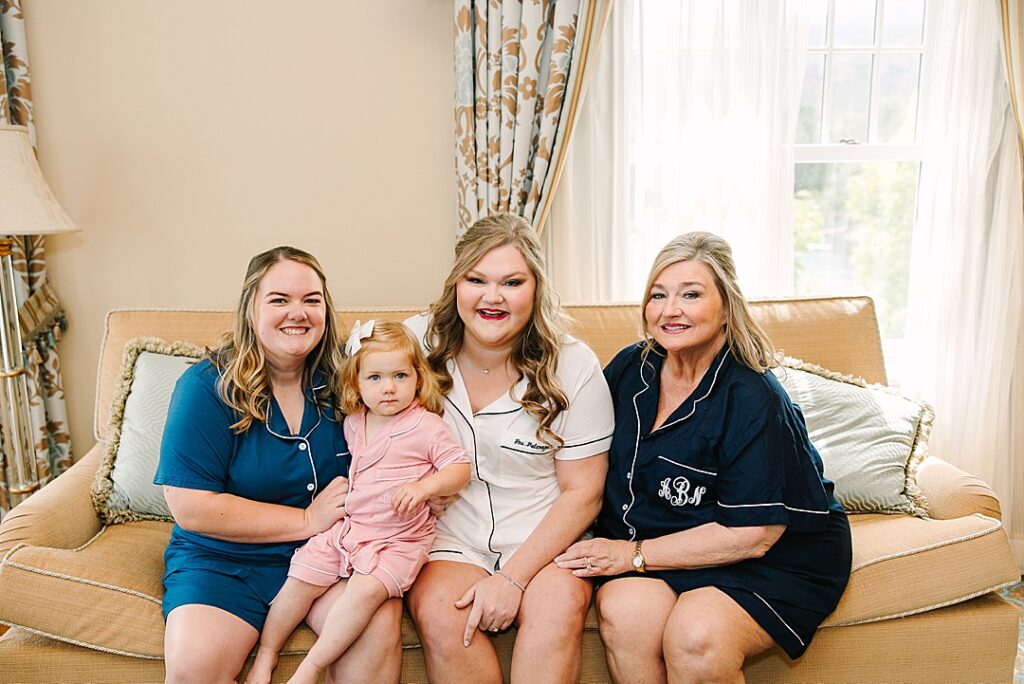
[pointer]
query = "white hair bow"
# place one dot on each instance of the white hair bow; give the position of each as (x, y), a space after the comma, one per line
(360, 331)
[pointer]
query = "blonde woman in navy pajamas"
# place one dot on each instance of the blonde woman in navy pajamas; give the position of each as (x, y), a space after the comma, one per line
(719, 537)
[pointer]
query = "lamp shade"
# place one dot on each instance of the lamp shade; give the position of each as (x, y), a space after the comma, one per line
(27, 206)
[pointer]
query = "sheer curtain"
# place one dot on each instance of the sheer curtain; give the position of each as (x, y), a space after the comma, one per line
(689, 124)
(1012, 12)
(967, 266)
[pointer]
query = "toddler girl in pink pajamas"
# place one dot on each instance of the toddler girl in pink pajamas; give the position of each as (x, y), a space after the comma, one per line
(402, 455)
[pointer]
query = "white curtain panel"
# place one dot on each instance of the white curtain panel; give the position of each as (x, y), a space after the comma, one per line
(689, 125)
(967, 266)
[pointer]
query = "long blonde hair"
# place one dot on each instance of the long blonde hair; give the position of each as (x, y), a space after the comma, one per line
(535, 352)
(745, 337)
(390, 336)
(244, 384)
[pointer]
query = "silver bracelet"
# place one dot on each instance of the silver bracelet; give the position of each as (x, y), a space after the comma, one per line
(515, 584)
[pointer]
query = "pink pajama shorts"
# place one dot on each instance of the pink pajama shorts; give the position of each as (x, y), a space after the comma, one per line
(394, 562)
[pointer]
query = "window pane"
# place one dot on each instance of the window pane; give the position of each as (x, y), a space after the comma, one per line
(817, 22)
(809, 126)
(852, 228)
(854, 23)
(903, 23)
(899, 76)
(851, 97)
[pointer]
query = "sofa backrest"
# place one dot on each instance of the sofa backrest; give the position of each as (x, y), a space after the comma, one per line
(839, 333)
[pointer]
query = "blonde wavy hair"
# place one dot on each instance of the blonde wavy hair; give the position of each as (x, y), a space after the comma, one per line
(390, 336)
(745, 337)
(535, 353)
(244, 384)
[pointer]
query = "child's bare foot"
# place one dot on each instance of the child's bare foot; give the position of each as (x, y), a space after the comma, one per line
(262, 667)
(308, 673)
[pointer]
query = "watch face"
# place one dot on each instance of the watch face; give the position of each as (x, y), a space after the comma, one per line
(637, 561)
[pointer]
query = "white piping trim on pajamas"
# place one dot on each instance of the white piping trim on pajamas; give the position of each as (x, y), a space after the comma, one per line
(636, 412)
(322, 572)
(305, 440)
(412, 427)
(386, 571)
(696, 401)
(683, 465)
(780, 618)
(806, 510)
(788, 508)
(632, 466)
(724, 505)
(393, 579)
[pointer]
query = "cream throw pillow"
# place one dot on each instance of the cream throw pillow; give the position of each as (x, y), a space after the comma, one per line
(123, 490)
(870, 438)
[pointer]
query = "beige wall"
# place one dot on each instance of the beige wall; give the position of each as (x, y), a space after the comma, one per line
(183, 137)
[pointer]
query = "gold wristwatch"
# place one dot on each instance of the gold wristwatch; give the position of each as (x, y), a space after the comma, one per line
(638, 557)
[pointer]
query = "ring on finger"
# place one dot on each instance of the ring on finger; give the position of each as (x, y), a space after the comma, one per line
(493, 628)
(590, 565)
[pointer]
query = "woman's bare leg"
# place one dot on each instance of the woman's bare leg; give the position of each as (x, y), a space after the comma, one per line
(206, 644)
(632, 613)
(441, 625)
(549, 640)
(708, 637)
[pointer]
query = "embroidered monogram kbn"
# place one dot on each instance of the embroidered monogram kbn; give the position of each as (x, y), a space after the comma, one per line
(677, 491)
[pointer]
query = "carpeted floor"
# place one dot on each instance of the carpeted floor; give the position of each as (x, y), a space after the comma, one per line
(1016, 595)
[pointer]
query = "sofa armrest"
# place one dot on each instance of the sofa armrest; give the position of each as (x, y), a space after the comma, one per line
(61, 514)
(953, 493)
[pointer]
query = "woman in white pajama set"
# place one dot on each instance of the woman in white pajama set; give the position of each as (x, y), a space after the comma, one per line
(532, 409)
(514, 480)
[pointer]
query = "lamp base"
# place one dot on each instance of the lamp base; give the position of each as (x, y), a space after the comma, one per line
(15, 421)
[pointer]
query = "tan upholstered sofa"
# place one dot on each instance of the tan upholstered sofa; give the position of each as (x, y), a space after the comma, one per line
(83, 600)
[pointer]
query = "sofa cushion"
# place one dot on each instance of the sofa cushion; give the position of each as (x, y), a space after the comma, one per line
(106, 594)
(871, 439)
(904, 565)
(123, 490)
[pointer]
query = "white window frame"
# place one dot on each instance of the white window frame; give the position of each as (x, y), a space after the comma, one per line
(861, 151)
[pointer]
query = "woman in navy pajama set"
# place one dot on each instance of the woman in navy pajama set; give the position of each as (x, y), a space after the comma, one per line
(253, 461)
(719, 536)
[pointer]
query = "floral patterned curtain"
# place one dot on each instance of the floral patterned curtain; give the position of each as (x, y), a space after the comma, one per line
(519, 66)
(41, 316)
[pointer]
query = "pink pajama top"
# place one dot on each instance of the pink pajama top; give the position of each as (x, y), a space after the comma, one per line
(413, 445)
(373, 539)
